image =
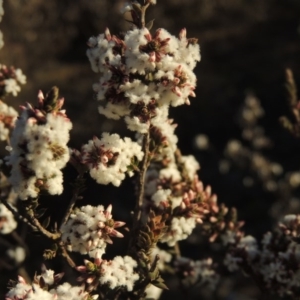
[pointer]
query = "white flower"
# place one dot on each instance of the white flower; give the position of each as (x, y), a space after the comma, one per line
(11, 86)
(153, 292)
(160, 197)
(119, 272)
(191, 166)
(179, 230)
(39, 151)
(88, 231)
(20, 77)
(110, 158)
(22, 290)
(67, 292)
(8, 116)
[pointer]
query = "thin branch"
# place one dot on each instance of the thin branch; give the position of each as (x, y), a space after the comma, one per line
(67, 256)
(38, 225)
(141, 186)
(141, 179)
(177, 250)
(77, 190)
(142, 16)
(18, 216)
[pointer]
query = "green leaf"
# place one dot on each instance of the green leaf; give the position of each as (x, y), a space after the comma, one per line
(149, 25)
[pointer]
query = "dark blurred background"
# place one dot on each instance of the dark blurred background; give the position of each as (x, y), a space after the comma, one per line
(245, 47)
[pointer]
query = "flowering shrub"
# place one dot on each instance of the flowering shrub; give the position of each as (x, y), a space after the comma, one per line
(142, 73)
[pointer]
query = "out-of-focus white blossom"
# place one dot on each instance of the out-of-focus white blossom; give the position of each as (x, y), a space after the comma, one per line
(18, 254)
(7, 220)
(153, 292)
(200, 272)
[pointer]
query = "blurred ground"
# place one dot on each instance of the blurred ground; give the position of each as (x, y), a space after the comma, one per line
(245, 46)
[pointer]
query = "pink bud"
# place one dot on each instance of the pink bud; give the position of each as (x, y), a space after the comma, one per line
(182, 33)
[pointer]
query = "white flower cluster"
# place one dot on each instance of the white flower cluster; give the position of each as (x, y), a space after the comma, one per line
(8, 116)
(11, 79)
(276, 263)
(179, 230)
(162, 196)
(25, 291)
(7, 220)
(12, 85)
(142, 74)
(39, 152)
(153, 292)
(110, 158)
(119, 272)
(88, 230)
(197, 272)
(249, 245)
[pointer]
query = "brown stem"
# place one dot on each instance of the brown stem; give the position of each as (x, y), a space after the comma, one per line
(177, 250)
(22, 271)
(38, 225)
(142, 16)
(141, 187)
(141, 180)
(67, 256)
(18, 216)
(75, 197)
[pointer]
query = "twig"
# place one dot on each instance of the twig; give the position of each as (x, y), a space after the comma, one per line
(142, 16)
(177, 250)
(22, 271)
(141, 186)
(38, 225)
(18, 216)
(141, 180)
(67, 256)
(75, 197)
